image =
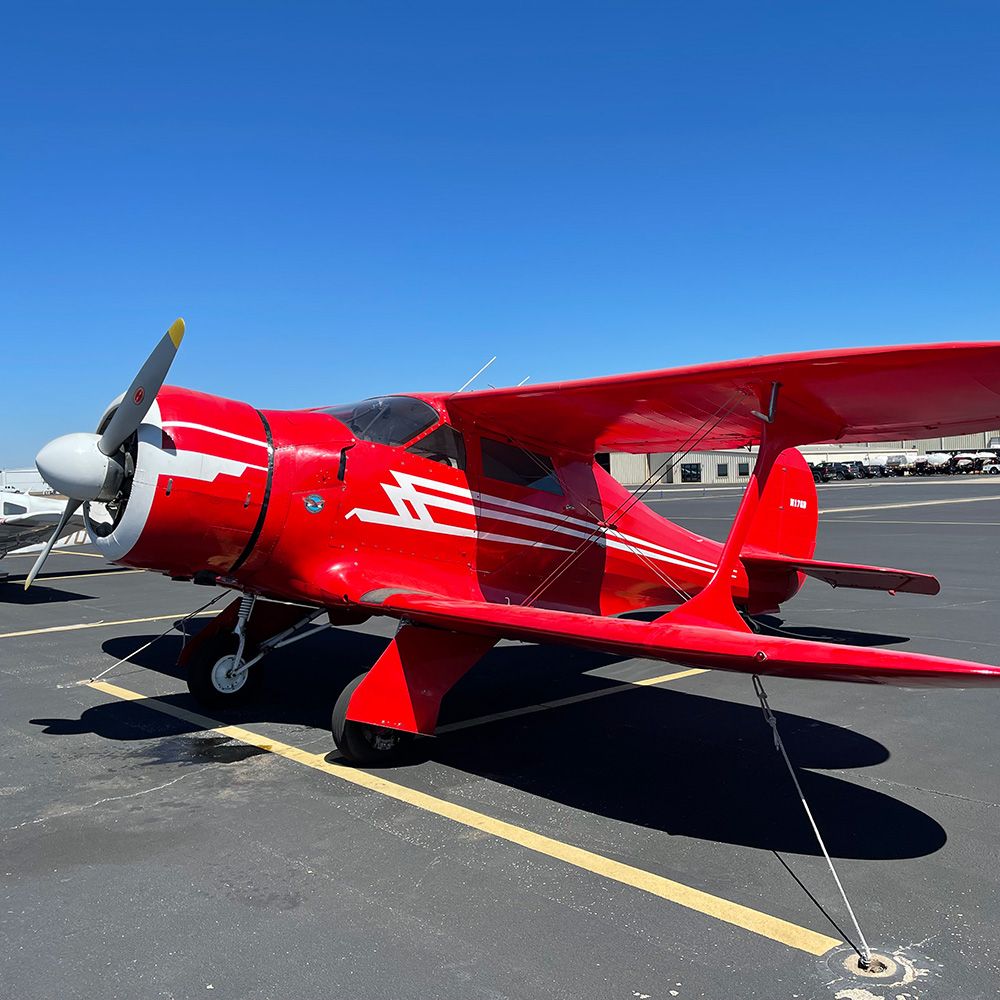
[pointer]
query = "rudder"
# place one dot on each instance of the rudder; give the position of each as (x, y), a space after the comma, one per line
(785, 523)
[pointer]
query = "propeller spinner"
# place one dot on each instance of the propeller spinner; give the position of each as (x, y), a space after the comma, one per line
(88, 467)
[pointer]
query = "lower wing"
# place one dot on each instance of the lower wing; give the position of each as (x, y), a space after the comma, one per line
(692, 645)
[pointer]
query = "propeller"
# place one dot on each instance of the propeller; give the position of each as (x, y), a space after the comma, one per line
(87, 467)
(71, 508)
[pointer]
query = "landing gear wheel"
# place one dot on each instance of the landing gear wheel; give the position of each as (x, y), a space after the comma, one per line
(363, 744)
(210, 676)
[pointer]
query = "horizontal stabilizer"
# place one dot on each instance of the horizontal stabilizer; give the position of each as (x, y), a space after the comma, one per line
(903, 581)
(711, 647)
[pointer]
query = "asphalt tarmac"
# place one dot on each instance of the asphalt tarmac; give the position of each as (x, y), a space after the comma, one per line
(604, 839)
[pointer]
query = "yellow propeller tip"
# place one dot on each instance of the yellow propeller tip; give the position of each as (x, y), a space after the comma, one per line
(176, 332)
(27, 584)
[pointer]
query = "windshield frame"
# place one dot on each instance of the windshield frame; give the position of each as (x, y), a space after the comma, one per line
(394, 420)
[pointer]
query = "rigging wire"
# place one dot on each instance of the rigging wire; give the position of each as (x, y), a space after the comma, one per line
(692, 442)
(609, 523)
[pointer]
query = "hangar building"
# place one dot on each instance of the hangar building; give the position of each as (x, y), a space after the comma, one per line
(720, 467)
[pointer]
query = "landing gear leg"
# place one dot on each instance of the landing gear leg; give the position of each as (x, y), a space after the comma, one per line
(365, 744)
(216, 675)
(401, 695)
(217, 672)
(242, 643)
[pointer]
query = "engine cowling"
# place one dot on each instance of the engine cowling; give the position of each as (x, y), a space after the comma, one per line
(201, 471)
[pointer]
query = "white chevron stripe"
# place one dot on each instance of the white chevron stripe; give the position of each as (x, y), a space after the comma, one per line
(560, 517)
(407, 495)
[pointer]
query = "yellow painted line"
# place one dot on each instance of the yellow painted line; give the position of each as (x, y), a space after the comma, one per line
(782, 931)
(915, 503)
(55, 552)
(663, 678)
(574, 699)
(104, 624)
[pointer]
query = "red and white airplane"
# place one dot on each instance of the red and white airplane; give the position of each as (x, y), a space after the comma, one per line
(472, 517)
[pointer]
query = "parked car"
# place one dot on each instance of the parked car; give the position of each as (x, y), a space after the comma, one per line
(897, 465)
(992, 467)
(820, 475)
(837, 470)
(860, 470)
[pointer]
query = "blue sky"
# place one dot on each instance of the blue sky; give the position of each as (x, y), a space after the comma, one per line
(348, 199)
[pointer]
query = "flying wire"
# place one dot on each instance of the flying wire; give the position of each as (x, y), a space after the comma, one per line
(689, 444)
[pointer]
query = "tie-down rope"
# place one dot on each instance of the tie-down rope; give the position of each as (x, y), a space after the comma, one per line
(179, 625)
(865, 953)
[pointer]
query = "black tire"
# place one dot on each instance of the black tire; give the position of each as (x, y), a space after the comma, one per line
(365, 745)
(201, 667)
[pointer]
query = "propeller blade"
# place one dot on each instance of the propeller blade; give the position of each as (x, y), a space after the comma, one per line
(141, 393)
(71, 509)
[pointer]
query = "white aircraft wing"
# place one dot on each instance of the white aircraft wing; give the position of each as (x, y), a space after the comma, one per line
(28, 520)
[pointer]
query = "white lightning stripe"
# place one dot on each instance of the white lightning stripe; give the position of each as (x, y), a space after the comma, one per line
(651, 549)
(600, 539)
(566, 519)
(216, 430)
(152, 462)
(632, 549)
(406, 480)
(412, 524)
(407, 495)
(195, 465)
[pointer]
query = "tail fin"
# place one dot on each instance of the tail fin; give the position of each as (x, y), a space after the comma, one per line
(780, 543)
(787, 515)
(784, 525)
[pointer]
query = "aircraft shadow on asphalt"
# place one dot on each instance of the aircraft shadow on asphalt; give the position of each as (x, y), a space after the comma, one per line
(685, 764)
(772, 625)
(12, 593)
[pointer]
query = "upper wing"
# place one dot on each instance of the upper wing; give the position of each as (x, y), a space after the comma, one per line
(873, 394)
(693, 645)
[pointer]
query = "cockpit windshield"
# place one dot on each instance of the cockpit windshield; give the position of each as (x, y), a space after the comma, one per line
(385, 419)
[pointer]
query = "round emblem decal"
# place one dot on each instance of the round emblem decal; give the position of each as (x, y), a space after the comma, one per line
(314, 503)
(140, 395)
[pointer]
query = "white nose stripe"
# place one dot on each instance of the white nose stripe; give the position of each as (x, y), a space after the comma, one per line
(217, 431)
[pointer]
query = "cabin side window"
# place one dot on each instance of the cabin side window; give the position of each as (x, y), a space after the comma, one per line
(511, 464)
(444, 445)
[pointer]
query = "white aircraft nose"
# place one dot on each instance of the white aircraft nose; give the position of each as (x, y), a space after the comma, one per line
(74, 466)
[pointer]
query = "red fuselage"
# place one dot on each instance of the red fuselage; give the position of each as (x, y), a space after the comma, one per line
(388, 494)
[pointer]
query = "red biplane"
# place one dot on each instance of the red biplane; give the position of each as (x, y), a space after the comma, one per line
(476, 516)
